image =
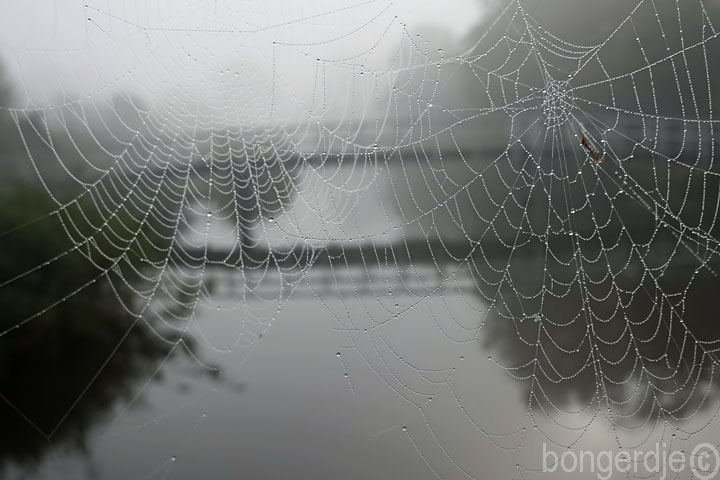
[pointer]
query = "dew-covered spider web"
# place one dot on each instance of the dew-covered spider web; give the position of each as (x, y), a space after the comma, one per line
(513, 233)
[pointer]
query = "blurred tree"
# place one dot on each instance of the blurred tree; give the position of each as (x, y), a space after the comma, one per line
(63, 322)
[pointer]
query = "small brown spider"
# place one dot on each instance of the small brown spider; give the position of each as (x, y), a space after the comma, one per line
(593, 154)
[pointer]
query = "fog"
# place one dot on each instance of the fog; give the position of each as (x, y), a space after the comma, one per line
(374, 239)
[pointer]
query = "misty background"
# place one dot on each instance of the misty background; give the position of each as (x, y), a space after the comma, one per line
(359, 205)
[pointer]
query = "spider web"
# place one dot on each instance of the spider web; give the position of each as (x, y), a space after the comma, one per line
(549, 199)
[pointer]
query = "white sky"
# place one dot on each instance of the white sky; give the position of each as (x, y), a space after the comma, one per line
(50, 47)
(458, 16)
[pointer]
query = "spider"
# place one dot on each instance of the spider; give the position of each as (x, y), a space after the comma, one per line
(593, 154)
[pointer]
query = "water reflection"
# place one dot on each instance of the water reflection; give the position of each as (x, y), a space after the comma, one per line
(600, 287)
(63, 371)
(645, 351)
